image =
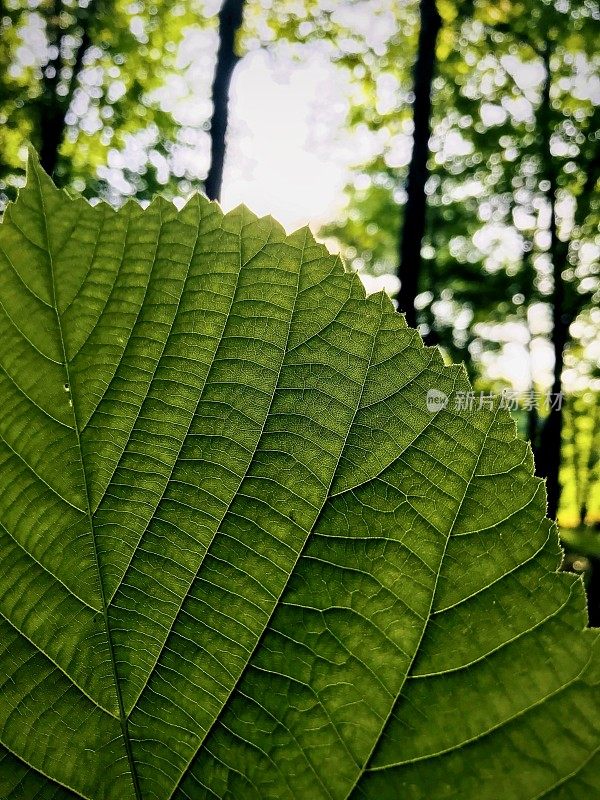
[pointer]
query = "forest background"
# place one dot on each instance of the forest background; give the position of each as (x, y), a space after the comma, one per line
(450, 151)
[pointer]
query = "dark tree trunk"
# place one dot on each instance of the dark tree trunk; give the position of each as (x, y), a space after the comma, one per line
(528, 288)
(532, 428)
(588, 481)
(593, 592)
(593, 583)
(549, 452)
(50, 103)
(53, 107)
(230, 20)
(413, 227)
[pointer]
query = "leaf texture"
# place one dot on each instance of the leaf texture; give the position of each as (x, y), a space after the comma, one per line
(239, 556)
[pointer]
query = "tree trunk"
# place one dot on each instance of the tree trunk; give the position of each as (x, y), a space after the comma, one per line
(413, 227)
(549, 452)
(593, 592)
(528, 288)
(230, 20)
(590, 468)
(53, 107)
(593, 582)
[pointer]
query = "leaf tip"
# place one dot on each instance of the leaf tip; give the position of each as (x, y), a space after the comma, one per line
(34, 168)
(33, 164)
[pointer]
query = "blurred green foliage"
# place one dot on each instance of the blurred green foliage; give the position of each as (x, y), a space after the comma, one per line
(101, 64)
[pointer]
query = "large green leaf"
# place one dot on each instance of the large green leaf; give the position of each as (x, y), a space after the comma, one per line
(240, 558)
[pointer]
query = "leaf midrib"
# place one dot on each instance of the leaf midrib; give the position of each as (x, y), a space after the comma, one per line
(88, 510)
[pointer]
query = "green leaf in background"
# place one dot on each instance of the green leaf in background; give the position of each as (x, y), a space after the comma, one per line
(239, 556)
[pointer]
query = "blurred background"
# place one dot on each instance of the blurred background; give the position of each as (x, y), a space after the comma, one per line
(449, 150)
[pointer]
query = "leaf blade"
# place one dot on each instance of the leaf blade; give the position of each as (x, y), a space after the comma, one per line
(280, 536)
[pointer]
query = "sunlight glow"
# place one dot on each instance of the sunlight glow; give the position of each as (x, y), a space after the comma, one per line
(285, 155)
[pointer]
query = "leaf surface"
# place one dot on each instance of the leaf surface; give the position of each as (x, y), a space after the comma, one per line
(239, 556)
